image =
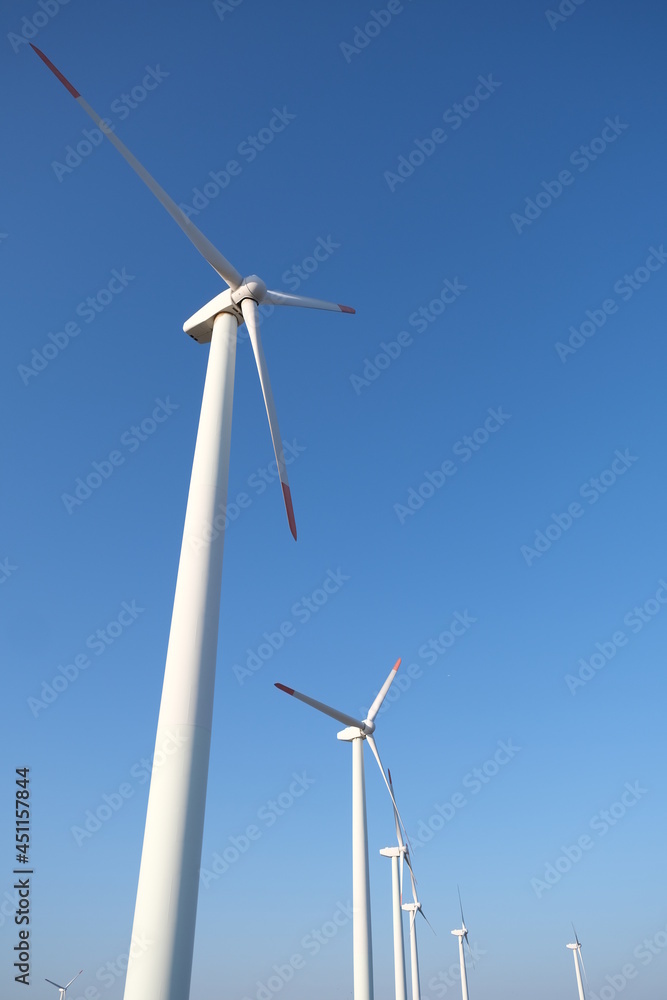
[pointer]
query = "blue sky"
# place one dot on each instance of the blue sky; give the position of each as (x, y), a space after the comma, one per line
(543, 535)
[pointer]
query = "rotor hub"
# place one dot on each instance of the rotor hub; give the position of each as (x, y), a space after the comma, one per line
(252, 288)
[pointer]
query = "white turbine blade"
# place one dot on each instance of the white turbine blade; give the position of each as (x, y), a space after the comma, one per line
(285, 299)
(413, 880)
(371, 743)
(249, 310)
(72, 980)
(399, 836)
(347, 720)
(583, 969)
(397, 819)
(380, 696)
(219, 263)
(55, 984)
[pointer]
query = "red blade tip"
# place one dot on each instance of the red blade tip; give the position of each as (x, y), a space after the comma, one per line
(346, 309)
(397, 664)
(287, 496)
(282, 687)
(63, 79)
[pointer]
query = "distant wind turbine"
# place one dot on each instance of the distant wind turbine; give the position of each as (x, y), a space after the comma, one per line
(399, 856)
(356, 732)
(64, 989)
(166, 905)
(462, 934)
(578, 963)
(413, 909)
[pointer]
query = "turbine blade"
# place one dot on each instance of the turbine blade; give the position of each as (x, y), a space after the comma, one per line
(285, 299)
(463, 923)
(249, 310)
(413, 880)
(426, 919)
(372, 745)
(347, 720)
(380, 696)
(583, 969)
(219, 263)
(55, 984)
(400, 835)
(470, 951)
(72, 980)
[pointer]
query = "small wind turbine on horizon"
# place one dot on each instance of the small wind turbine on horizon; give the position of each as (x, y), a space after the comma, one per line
(64, 989)
(166, 903)
(578, 964)
(462, 934)
(356, 732)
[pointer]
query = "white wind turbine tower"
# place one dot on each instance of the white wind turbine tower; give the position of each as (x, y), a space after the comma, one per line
(461, 934)
(399, 855)
(64, 989)
(356, 732)
(166, 904)
(578, 963)
(413, 909)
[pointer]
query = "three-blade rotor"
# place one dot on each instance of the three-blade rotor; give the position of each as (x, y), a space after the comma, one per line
(246, 293)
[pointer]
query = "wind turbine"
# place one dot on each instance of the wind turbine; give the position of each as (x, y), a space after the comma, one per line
(166, 904)
(356, 732)
(399, 855)
(64, 989)
(461, 934)
(413, 909)
(578, 963)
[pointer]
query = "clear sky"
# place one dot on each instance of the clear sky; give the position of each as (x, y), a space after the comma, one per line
(482, 446)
